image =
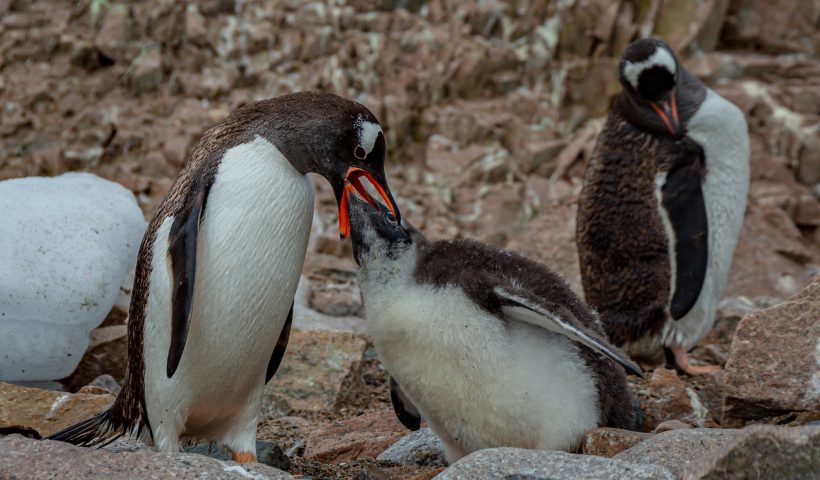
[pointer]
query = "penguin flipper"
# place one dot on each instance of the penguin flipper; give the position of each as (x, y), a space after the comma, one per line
(518, 305)
(182, 244)
(279, 349)
(405, 411)
(682, 200)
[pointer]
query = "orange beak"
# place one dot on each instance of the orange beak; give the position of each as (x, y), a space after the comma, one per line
(668, 113)
(353, 184)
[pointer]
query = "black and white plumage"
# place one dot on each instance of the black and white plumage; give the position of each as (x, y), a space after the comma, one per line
(662, 206)
(492, 349)
(212, 301)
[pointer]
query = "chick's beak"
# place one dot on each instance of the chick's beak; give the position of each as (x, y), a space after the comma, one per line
(667, 110)
(352, 183)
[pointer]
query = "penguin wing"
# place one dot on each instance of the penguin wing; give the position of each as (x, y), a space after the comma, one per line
(682, 200)
(518, 305)
(279, 349)
(405, 411)
(182, 244)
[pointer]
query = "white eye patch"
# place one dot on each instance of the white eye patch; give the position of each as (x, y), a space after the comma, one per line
(661, 58)
(368, 133)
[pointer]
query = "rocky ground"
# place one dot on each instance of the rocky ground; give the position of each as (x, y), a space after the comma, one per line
(491, 109)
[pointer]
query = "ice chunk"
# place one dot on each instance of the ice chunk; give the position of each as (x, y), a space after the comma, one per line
(66, 244)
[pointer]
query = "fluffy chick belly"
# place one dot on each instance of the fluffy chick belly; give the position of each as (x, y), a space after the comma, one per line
(488, 383)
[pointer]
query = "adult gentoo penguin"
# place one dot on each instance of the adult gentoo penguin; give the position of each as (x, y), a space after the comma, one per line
(661, 207)
(212, 301)
(491, 348)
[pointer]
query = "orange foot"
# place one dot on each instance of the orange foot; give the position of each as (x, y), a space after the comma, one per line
(682, 361)
(243, 457)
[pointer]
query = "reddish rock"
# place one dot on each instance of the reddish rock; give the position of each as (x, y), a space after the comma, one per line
(44, 412)
(772, 26)
(772, 365)
(608, 442)
(115, 32)
(354, 438)
(671, 399)
(316, 367)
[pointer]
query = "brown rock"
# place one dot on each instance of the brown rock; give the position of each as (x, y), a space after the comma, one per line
(44, 412)
(608, 442)
(195, 30)
(669, 425)
(762, 451)
(315, 368)
(773, 27)
(767, 260)
(678, 449)
(106, 354)
(362, 436)
(772, 366)
(146, 71)
(26, 458)
(115, 32)
(671, 399)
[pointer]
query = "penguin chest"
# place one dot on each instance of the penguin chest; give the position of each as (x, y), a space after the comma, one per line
(486, 383)
(250, 250)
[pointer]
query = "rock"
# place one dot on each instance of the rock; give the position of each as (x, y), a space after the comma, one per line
(267, 452)
(671, 399)
(115, 32)
(608, 442)
(762, 451)
(669, 425)
(107, 382)
(42, 412)
(767, 261)
(772, 365)
(195, 30)
(107, 353)
(25, 458)
(66, 244)
(521, 464)
(315, 368)
(145, 74)
(677, 449)
(420, 448)
(363, 436)
(774, 27)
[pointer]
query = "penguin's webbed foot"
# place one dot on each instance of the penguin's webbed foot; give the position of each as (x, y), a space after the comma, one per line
(243, 457)
(682, 363)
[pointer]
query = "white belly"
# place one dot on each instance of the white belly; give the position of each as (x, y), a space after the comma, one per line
(482, 383)
(720, 128)
(251, 248)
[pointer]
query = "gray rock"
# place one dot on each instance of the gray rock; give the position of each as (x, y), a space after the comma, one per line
(26, 458)
(107, 382)
(677, 449)
(267, 452)
(763, 451)
(145, 73)
(421, 448)
(517, 463)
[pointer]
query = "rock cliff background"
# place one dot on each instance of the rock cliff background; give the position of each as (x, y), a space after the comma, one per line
(490, 108)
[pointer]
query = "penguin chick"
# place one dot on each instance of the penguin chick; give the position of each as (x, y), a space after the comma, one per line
(661, 208)
(494, 350)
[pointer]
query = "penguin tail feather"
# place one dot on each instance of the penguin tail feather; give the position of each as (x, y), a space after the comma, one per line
(97, 431)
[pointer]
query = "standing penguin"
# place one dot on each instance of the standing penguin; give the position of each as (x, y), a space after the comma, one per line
(662, 207)
(492, 349)
(212, 302)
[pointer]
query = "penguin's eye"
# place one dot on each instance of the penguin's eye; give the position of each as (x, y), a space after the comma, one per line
(359, 152)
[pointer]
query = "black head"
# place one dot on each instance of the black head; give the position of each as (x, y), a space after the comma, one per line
(326, 134)
(649, 73)
(376, 233)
